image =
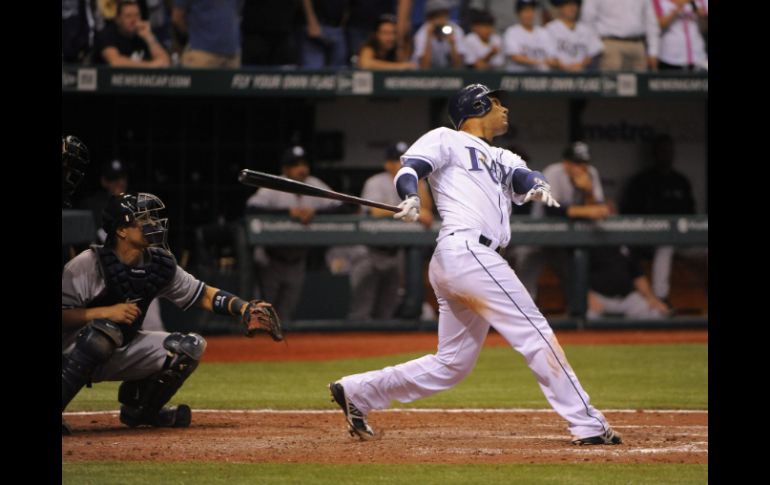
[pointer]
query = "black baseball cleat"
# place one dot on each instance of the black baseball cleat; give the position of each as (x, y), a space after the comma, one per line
(66, 430)
(168, 417)
(609, 437)
(357, 425)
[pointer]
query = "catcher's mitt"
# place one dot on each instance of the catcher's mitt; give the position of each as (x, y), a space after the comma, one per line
(260, 316)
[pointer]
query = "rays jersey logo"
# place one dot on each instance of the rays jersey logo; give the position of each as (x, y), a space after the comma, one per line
(498, 173)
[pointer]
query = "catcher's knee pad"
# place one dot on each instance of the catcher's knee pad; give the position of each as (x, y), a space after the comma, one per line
(145, 398)
(188, 346)
(94, 345)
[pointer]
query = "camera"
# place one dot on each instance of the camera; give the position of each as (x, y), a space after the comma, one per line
(442, 30)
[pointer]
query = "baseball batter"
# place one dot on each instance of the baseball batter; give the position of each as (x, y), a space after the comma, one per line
(474, 185)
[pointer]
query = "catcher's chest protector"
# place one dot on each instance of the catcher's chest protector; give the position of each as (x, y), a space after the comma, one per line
(139, 284)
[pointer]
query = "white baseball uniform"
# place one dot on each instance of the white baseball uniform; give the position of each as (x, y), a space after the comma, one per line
(475, 49)
(471, 183)
(535, 44)
(573, 45)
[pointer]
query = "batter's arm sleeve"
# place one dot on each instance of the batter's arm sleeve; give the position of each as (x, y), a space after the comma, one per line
(524, 179)
(406, 179)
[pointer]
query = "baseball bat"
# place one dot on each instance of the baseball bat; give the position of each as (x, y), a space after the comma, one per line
(261, 179)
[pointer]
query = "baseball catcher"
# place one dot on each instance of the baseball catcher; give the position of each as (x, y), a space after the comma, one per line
(105, 294)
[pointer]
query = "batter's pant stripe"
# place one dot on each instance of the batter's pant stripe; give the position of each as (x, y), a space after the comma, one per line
(556, 356)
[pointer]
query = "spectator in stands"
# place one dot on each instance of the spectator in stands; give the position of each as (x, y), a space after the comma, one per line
(129, 41)
(438, 43)
(578, 47)
(659, 190)
(77, 31)
(503, 11)
(213, 31)
(629, 33)
(158, 13)
(282, 269)
(528, 47)
(483, 47)
(380, 51)
(365, 16)
(682, 47)
(268, 33)
(323, 41)
(619, 287)
(375, 273)
(577, 186)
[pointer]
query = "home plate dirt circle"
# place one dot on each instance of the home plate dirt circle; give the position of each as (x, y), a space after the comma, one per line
(409, 436)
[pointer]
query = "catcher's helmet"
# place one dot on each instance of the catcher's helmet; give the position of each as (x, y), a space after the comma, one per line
(74, 158)
(472, 100)
(126, 209)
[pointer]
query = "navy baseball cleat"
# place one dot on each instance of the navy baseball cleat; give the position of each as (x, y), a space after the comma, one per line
(355, 418)
(609, 437)
(168, 417)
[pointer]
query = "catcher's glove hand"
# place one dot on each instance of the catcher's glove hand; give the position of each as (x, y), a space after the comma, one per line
(260, 316)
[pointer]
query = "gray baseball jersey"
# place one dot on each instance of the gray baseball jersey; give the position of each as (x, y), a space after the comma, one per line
(83, 281)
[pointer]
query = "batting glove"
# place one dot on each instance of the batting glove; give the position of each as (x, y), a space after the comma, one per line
(410, 209)
(541, 193)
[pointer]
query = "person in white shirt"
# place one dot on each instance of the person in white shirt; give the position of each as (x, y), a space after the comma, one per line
(576, 44)
(438, 43)
(681, 43)
(483, 46)
(527, 47)
(629, 31)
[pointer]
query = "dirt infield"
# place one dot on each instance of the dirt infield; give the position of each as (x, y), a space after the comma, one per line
(409, 437)
(325, 346)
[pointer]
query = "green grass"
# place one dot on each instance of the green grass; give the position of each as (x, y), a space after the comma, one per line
(250, 473)
(615, 376)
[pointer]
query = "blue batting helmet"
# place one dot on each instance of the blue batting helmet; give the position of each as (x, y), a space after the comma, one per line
(472, 100)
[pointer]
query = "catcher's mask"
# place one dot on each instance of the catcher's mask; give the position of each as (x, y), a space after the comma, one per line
(74, 158)
(142, 208)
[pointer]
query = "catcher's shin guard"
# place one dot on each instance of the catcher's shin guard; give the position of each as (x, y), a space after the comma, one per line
(143, 400)
(94, 345)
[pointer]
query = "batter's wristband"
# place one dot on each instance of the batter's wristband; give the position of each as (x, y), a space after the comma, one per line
(227, 304)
